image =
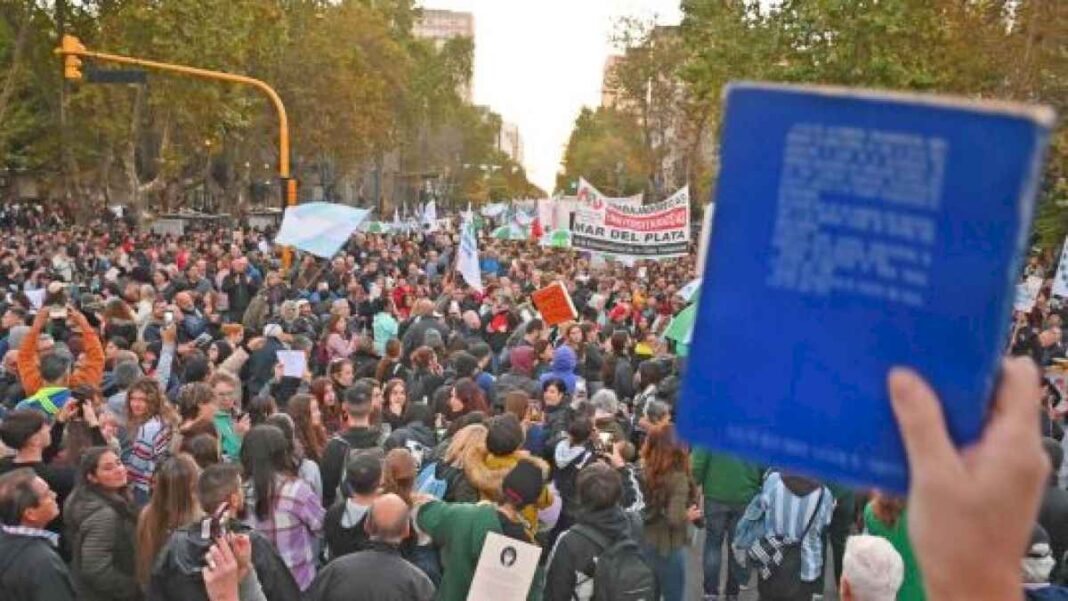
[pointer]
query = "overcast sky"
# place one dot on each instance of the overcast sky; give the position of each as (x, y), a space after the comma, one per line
(538, 62)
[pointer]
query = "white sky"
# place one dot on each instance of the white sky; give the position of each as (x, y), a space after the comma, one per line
(538, 62)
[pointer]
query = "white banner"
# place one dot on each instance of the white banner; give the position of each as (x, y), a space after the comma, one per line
(1060, 281)
(655, 231)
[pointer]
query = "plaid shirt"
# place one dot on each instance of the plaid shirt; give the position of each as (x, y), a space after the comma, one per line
(294, 526)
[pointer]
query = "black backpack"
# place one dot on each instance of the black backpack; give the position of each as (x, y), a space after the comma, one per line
(780, 573)
(620, 572)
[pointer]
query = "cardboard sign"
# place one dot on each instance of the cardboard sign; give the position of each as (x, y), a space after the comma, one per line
(554, 304)
(505, 569)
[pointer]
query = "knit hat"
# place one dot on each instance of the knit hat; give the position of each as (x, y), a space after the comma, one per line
(522, 358)
(504, 434)
(522, 486)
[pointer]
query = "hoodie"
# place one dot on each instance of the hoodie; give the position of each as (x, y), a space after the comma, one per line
(563, 368)
(570, 568)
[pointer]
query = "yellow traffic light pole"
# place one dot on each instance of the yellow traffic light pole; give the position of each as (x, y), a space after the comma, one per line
(72, 49)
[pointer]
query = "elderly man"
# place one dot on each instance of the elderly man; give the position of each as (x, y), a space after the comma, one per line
(378, 573)
(871, 570)
(30, 567)
(240, 287)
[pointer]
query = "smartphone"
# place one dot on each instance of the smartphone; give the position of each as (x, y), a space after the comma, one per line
(220, 526)
(168, 318)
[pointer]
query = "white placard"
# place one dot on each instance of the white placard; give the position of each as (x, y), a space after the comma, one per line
(1060, 281)
(294, 364)
(36, 297)
(505, 569)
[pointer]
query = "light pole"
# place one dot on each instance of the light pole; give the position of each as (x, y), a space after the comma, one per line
(72, 50)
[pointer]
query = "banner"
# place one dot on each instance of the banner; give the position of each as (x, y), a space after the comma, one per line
(1060, 281)
(1027, 294)
(655, 231)
(587, 194)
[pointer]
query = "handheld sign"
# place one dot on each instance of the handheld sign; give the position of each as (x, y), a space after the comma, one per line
(856, 231)
(554, 304)
(505, 569)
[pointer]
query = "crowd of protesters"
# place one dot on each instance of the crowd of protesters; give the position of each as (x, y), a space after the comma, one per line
(159, 445)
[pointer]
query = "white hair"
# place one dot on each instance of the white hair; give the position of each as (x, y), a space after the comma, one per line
(873, 568)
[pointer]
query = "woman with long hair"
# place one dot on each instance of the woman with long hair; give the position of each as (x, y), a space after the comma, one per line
(466, 397)
(308, 425)
(101, 520)
(149, 425)
(427, 375)
(282, 506)
(333, 339)
(322, 388)
(173, 504)
(390, 366)
(306, 469)
(670, 496)
(887, 517)
(119, 320)
(396, 403)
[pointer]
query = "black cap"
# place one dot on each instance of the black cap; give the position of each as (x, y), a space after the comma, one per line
(523, 485)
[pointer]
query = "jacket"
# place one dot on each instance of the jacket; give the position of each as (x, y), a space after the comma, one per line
(176, 575)
(259, 368)
(570, 568)
(724, 479)
(384, 327)
(459, 531)
(31, 570)
(91, 370)
(377, 574)
(563, 367)
(485, 473)
(335, 452)
(102, 530)
(665, 524)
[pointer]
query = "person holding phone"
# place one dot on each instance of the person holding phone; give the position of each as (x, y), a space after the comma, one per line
(47, 379)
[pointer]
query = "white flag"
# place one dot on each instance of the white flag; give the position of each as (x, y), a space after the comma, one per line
(467, 257)
(430, 216)
(1060, 281)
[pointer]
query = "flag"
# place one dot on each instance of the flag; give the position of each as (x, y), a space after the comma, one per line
(467, 257)
(535, 228)
(430, 216)
(396, 219)
(320, 228)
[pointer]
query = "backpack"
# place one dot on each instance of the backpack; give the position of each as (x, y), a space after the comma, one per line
(427, 482)
(780, 562)
(620, 572)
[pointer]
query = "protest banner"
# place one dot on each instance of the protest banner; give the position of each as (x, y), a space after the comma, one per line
(554, 304)
(1027, 294)
(1060, 281)
(655, 231)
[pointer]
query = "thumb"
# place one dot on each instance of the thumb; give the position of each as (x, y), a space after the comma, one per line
(922, 424)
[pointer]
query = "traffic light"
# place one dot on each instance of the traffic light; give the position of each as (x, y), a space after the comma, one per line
(71, 48)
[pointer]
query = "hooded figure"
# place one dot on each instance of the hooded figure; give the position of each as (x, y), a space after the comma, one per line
(563, 367)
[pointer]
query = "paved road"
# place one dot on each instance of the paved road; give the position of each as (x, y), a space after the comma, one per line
(694, 577)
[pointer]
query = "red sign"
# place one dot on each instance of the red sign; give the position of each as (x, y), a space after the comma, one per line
(554, 304)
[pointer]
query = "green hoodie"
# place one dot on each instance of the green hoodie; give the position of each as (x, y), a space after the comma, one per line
(725, 479)
(231, 442)
(459, 530)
